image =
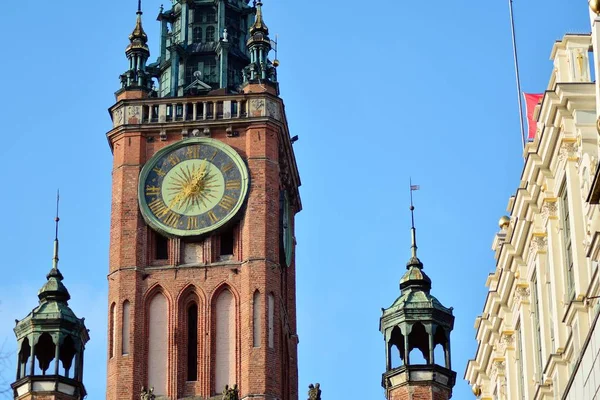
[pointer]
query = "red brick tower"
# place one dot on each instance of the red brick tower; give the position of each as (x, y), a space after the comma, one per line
(417, 320)
(205, 189)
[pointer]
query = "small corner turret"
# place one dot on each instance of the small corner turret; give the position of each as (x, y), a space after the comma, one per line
(417, 320)
(260, 70)
(137, 77)
(54, 336)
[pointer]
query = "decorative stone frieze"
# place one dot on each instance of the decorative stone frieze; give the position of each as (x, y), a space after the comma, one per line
(568, 151)
(522, 293)
(549, 209)
(538, 244)
(498, 368)
(507, 341)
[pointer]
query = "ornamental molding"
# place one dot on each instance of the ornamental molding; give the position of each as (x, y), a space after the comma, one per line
(549, 209)
(568, 150)
(507, 341)
(538, 244)
(522, 293)
(498, 368)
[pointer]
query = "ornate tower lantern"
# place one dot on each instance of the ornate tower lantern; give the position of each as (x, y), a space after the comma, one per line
(51, 342)
(137, 53)
(417, 320)
(260, 69)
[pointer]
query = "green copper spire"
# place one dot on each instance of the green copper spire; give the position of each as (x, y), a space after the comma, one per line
(53, 289)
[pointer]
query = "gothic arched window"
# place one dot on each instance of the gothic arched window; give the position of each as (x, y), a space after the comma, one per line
(225, 333)
(158, 347)
(256, 311)
(210, 34)
(197, 34)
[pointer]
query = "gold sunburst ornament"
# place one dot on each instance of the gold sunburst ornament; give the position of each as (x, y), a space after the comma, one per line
(192, 187)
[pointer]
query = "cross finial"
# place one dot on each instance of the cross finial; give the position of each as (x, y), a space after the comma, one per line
(56, 220)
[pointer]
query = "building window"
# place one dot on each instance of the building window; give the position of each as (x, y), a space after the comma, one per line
(567, 244)
(210, 71)
(158, 344)
(211, 16)
(113, 327)
(536, 327)
(225, 336)
(197, 35)
(226, 247)
(271, 317)
(210, 34)
(125, 328)
(192, 342)
(161, 247)
(550, 313)
(256, 311)
(520, 362)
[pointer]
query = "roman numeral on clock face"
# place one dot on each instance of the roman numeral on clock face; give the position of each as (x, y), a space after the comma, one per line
(158, 207)
(227, 202)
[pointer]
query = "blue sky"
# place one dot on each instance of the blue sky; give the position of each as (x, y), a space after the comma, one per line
(377, 91)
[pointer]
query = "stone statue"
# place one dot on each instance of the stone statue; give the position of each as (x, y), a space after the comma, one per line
(314, 392)
(231, 393)
(147, 394)
(225, 35)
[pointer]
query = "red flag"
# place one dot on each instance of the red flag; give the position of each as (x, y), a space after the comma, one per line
(531, 100)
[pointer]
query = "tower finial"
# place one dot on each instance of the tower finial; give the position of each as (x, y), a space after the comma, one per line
(259, 23)
(139, 11)
(56, 220)
(414, 260)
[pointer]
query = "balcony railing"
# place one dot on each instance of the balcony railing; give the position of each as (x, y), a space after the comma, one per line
(193, 111)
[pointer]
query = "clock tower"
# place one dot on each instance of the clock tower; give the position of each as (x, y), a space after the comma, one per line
(205, 189)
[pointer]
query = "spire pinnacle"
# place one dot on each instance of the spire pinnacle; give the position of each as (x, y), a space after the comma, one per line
(414, 260)
(138, 35)
(259, 23)
(56, 220)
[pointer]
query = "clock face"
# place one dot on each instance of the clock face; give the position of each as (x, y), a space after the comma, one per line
(287, 218)
(192, 187)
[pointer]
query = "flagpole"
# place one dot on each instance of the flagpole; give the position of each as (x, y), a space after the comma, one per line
(518, 76)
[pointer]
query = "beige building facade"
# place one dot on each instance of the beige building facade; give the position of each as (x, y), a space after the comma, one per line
(538, 335)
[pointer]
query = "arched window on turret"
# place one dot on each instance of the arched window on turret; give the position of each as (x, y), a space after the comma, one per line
(418, 339)
(24, 355)
(210, 34)
(67, 354)
(441, 350)
(197, 34)
(45, 350)
(396, 356)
